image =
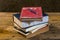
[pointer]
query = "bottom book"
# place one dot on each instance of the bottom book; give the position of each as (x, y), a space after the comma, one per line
(29, 35)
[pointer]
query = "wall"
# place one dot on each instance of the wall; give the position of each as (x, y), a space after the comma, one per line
(16, 5)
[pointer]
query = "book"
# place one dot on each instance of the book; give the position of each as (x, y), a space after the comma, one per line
(26, 24)
(29, 35)
(31, 13)
(32, 30)
(34, 27)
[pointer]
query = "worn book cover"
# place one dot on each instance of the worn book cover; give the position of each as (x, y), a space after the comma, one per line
(31, 13)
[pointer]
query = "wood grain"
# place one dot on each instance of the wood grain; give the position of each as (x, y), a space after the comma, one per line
(7, 32)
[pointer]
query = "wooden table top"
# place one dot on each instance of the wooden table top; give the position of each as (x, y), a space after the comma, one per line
(7, 32)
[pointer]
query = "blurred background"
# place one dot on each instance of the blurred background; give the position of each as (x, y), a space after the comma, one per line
(16, 5)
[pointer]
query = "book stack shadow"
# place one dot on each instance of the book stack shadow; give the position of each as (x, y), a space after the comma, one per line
(31, 21)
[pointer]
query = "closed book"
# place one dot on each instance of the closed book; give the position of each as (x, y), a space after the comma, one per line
(26, 24)
(32, 30)
(31, 13)
(34, 27)
(29, 35)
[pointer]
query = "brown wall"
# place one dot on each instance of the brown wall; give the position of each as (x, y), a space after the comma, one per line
(16, 5)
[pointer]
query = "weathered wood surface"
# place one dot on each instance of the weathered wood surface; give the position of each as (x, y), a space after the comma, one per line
(7, 32)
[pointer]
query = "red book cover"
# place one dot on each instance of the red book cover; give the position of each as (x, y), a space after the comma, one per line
(31, 12)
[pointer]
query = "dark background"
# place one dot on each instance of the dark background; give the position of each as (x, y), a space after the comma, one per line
(16, 5)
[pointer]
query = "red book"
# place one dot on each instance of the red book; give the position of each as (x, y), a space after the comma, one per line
(31, 13)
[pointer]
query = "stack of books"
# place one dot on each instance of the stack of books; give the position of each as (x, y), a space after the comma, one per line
(31, 21)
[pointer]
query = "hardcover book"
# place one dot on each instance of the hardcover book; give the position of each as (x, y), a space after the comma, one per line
(31, 13)
(31, 28)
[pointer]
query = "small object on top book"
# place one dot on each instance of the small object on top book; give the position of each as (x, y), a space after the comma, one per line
(31, 13)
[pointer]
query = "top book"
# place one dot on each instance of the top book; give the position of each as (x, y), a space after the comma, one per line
(31, 13)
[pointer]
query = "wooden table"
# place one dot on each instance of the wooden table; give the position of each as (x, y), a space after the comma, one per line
(7, 32)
